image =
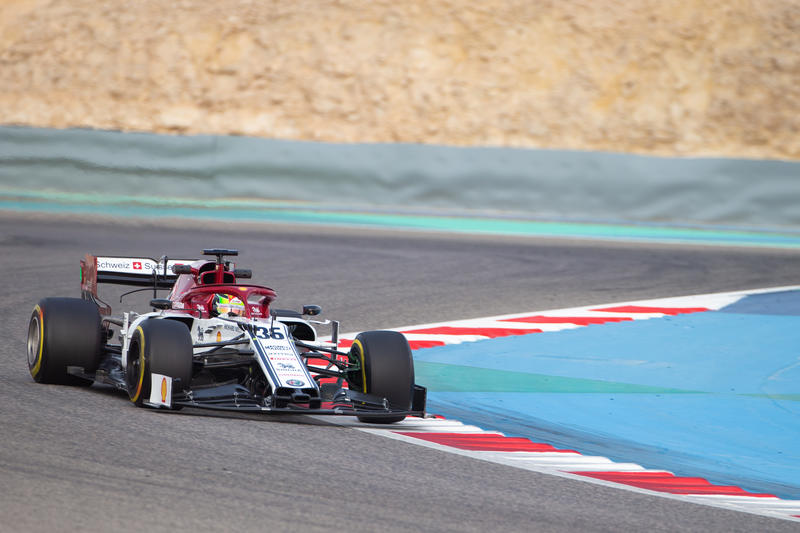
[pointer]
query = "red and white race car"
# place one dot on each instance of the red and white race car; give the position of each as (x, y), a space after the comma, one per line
(216, 343)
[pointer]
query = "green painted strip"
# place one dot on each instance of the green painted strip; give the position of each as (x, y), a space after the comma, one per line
(261, 210)
(439, 377)
(786, 397)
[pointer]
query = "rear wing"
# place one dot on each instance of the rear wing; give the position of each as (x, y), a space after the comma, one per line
(134, 271)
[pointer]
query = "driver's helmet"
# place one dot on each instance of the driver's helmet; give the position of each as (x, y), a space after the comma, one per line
(227, 305)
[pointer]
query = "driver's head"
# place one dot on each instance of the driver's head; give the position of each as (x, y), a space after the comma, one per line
(227, 305)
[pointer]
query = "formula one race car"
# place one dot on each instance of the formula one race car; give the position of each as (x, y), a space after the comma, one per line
(216, 343)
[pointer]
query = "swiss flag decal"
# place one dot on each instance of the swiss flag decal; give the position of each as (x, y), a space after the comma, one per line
(137, 265)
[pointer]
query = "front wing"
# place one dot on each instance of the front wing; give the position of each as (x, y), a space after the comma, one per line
(234, 397)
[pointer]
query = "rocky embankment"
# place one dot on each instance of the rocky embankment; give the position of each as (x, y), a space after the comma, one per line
(672, 77)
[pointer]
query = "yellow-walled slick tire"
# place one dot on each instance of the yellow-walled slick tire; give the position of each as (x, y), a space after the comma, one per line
(63, 332)
(387, 370)
(158, 346)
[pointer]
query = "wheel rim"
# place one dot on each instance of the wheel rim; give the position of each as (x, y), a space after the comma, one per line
(133, 368)
(360, 378)
(34, 341)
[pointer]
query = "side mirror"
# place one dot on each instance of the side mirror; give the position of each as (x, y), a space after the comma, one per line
(182, 269)
(243, 273)
(311, 310)
(161, 303)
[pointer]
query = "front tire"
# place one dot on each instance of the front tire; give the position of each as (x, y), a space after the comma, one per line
(158, 346)
(387, 370)
(64, 332)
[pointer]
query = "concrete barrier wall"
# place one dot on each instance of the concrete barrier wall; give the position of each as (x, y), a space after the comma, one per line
(535, 183)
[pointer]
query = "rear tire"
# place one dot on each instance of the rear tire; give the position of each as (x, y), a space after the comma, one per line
(387, 370)
(64, 332)
(158, 346)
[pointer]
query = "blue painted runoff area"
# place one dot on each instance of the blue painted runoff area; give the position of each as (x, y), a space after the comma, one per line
(713, 394)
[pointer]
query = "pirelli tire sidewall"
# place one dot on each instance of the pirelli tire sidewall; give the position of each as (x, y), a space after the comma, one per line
(64, 332)
(387, 370)
(158, 346)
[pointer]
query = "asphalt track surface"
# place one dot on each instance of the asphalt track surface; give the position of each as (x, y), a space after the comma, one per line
(86, 459)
